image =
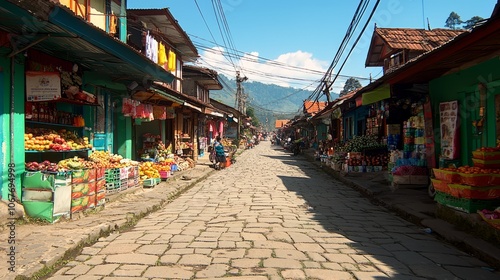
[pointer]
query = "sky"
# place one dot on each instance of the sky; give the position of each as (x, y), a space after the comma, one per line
(294, 42)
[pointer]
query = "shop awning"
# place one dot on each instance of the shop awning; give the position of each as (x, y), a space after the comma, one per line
(57, 31)
(380, 93)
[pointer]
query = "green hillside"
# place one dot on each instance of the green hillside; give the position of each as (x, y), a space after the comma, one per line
(270, 102)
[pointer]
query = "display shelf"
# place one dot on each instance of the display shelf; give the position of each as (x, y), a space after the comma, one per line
(54, 124)
(52, 151)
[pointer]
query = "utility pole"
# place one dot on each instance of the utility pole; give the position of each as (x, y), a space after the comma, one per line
(239, 92)
(327, 90)
(239, 98)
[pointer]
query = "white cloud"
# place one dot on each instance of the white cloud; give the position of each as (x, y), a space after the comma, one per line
(296, 69)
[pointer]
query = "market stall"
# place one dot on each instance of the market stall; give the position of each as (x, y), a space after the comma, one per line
(471, 188)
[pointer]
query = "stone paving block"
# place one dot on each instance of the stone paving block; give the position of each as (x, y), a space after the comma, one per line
(253, 236)
(152, 249)
(132, 259)
(63, 277)
(130, 270)
(244, 244)
(195, 259)
(78, 270)
(226, 244)
(181, 238)
(264, 273)
(203, 251)
(198, 244)
(332, 265)
(309, 247)
(279, 236)
(91, 250)
(290, 254)
(282, 263)
(123, 278)
(169, 259)
(228, 253)
(214, 270)
(88, 277)
(272, 245)
(245, 263)
(118, 248)
(324, 274)
(132, 235)
(293, 274)
(339, 258)
(301, 237)
(95, 260)
(103, 269)
(258, 253)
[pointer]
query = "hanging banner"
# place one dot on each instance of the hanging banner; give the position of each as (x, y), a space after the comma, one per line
(43, 86)
(170, 112)
(448, 115)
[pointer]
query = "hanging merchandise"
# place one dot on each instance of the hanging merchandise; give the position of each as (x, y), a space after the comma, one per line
(128, 107)
(160, 112)
(170, 112)
(148, 112)
(139, 112)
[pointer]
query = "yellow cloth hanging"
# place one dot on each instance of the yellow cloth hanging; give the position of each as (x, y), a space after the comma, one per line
(162, 54)
(172, 61)
(113, 22)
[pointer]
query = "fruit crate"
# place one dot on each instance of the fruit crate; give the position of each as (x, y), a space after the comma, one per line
(123, 184)
(151, 182)
(112, 187)
(464, 204)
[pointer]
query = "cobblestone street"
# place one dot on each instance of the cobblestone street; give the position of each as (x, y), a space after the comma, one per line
(272, 216)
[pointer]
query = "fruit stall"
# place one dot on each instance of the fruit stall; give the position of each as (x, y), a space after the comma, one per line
(53, 190)
(360, 154)
(471, 188)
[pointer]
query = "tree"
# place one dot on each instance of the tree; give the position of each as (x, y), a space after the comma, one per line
(251, 114)
(350, 85)
(453, 21)
(469, 24)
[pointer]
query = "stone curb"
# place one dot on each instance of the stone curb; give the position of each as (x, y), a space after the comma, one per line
(133, 213)
(472, 245)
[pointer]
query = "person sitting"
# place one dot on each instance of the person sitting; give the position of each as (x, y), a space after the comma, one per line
(220, 153)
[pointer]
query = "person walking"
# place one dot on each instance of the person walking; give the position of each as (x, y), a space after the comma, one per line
(220, 153)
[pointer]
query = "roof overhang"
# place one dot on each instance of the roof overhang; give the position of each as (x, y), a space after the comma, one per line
(206, 78)
(57, 31)
(164, 21)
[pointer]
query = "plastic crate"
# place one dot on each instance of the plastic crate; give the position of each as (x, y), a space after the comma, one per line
(151, 182)
(464, 204)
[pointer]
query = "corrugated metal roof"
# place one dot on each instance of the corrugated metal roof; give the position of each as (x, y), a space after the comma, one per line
(313, 107)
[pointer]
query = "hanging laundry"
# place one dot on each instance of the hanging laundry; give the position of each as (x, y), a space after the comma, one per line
(149, 53)
(172, 61)
(162, 54)
(113, 22)
(154, 50)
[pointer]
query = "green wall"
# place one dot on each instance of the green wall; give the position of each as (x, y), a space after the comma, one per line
(18, 129)
(463, 86)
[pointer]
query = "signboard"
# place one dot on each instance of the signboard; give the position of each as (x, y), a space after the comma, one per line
(43, 86)
(448, 115)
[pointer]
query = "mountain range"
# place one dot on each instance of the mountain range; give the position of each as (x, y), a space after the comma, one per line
(269, 101)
